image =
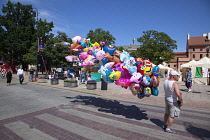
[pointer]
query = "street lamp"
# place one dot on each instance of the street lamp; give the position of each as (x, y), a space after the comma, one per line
(133, 40)
(37, 42)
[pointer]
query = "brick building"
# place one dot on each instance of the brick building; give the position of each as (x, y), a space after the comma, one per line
(195, 50)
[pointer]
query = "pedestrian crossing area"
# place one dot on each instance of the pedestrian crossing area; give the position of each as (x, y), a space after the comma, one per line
(96, 118)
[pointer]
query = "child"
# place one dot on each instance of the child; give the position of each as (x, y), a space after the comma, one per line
(89, 76)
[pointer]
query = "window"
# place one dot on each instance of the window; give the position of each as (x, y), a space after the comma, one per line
(201, 55)
(169, 66)
(193, 49)
(207, 55)
(193, 55)
(175, 66)
(201, 49)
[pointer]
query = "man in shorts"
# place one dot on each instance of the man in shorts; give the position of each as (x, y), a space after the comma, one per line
(173, 100)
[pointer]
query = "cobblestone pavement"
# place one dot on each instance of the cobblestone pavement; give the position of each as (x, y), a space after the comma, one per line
(199, 98)
(111, 114)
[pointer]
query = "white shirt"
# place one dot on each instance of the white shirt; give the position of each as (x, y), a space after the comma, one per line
(170, 94)
(20, 71)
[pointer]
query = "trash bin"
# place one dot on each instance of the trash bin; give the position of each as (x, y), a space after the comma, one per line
(103, 84)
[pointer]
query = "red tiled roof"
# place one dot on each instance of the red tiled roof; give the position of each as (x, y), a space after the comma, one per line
(198, 40)
(180, 53)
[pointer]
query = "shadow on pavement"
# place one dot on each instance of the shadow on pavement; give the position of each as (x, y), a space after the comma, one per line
(157, 122)
(198, 132)
(183, 90)
(196, 92)
(112, 106)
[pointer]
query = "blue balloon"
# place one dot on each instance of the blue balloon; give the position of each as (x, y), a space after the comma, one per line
(94, 51)
(145, 81)
(156, 71)
(107, 79)
(105, 72)
(109, 50)
(104, 61)
(124, 56)
(83, 44)
(140, 96)
(155, 91)
(132, 69)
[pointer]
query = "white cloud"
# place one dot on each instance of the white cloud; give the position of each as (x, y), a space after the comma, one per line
(45, 14)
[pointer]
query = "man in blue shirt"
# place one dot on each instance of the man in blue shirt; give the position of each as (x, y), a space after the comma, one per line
(189, 80)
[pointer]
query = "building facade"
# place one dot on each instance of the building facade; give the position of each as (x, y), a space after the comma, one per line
(196, 49)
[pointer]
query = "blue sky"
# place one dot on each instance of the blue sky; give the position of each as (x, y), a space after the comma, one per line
(126, 19)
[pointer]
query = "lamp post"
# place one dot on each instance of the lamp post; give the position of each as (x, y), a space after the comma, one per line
(37, 42)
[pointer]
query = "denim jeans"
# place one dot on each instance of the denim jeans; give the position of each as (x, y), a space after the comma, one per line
(82, 79)
(21, 78)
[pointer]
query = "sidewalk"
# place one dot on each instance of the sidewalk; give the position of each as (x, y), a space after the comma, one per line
(198, 99)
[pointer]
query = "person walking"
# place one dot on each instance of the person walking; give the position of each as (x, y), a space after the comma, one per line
(189, 80)
(173, 100)
(89, 76)
(3, 73)
(31, 73)
(77, 75)
(9, 77)
(21, 74)
(83, 77)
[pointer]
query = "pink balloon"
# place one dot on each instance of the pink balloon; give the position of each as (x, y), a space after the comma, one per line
(83, 56)
(100, 55)
(136, 77)
(125, 83)
(69, 58)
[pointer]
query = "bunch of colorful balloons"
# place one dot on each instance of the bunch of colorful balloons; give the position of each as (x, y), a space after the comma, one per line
(136, 74)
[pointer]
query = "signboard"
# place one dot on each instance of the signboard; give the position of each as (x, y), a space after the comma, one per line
(41, 44)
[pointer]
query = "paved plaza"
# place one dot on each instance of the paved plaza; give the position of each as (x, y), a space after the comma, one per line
(79, 113)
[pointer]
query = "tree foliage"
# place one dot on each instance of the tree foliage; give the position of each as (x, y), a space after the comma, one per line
(20, 31)
(57, 52)
(156, 46)
(101, 35)
(120, 48)
(42, 31)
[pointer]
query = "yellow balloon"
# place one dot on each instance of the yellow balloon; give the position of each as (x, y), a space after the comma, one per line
(85, 49)
(115, 75)
(148, 71)
(96, 44)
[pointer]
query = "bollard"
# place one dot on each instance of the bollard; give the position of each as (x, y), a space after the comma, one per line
(103, 84)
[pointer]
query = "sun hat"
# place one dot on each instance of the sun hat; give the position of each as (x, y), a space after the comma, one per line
(173, 72)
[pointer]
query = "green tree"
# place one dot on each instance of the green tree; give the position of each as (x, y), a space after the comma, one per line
(101, 35)
(58, 52)
(42, 31)
(156, 46)
(120, 48)
(18, 31)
